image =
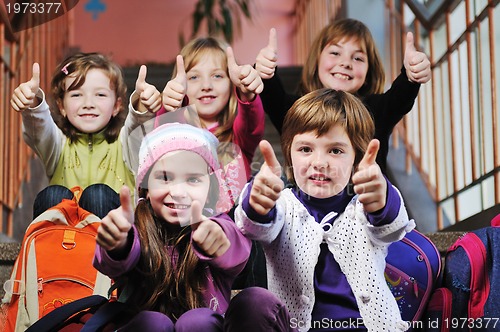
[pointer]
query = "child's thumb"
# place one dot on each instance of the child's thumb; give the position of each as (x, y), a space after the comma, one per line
(195, 214)
(35, 78)
(231, 61)
(370, 154)
(270, 157)
(410, 43)
(179, 64)
(141, 78)
(126, 204)
(273, 40)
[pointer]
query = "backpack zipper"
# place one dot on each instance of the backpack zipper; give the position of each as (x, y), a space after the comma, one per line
(415, 286)
(430, 280)
(42, 281)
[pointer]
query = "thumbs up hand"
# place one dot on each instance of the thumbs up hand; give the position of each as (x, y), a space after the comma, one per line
(266, 60)
(207, 234)
(176, 89)
(24, 95)
(112, 234)
(244, 77)
(149, 96)
(369, 183)
(267, 184)
(417, 65)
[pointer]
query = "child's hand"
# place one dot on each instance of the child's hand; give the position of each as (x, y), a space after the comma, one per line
(207, 234)
(24, 95)
(113, 233)
(266, 60)
(149, 96)
(369, 183)
(245, 78)
(267, 184)
(176, 89)
(417, 65)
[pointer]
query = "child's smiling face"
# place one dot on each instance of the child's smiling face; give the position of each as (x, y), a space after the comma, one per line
(322, 166)
(90, 107)
(343, 66)
(176, 180)
(209, 87)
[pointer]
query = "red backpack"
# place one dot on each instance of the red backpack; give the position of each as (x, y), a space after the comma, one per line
(469, 297)
(54, 266)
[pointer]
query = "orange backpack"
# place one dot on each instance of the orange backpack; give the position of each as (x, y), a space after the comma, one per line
(54, 266)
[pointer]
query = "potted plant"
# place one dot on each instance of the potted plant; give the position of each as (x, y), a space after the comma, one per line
(221, 18)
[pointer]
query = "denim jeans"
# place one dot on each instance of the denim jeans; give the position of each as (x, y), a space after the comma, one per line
(98, 199)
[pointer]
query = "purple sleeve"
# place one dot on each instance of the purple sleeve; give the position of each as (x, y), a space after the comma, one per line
(112, 267)
(234, 259)
(251, 213)
(391, 209)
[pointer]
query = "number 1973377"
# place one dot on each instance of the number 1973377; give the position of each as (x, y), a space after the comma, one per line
(33, 8)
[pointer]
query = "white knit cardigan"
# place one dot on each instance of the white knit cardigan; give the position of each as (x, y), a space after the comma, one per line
(291, 244)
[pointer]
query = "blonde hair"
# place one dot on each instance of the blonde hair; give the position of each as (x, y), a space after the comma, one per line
(334, 33)
(318, 112)
(198, 49)
(78, 65)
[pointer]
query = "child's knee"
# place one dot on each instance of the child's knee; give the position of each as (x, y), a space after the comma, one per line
(256, 308)
(149, 321)
(255, 297)
(200, 319)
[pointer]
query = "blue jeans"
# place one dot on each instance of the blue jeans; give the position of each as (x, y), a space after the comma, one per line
(98, 199)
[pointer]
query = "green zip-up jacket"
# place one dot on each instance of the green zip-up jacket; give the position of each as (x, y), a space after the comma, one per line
(89, 160)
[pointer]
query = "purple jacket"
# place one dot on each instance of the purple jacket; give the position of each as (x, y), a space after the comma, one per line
(221, 270)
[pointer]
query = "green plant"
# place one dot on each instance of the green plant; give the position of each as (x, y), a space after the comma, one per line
(220, 18)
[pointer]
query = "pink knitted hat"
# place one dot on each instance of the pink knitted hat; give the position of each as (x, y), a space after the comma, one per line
(175, 137)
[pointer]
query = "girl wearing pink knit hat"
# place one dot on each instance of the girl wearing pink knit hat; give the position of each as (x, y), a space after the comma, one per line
(178, 254)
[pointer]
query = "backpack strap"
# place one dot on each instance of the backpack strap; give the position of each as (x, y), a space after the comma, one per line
(479, 279)
(77, 192)
(55, 318)
(104, 315)
(495, 222)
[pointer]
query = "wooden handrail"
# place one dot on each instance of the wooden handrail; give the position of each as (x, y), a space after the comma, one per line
(474, 122)
(8, 33)
(18, 51)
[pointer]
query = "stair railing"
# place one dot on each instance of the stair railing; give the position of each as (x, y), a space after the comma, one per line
(46, 44)
(452, 134)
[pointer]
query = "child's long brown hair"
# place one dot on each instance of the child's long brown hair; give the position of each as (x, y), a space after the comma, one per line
(169, 277)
